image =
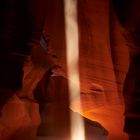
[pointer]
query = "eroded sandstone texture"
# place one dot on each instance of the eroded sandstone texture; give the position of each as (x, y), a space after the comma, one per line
(109, 34)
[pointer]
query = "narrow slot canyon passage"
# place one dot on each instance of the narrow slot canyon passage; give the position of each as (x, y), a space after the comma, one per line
(70, 70)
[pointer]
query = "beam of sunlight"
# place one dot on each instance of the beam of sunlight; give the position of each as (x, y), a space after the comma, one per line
(77, 124)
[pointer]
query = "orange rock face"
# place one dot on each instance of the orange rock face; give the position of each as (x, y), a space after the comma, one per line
(103, 60)
(102, 65)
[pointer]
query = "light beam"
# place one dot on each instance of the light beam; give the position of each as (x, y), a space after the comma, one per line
(72, 43)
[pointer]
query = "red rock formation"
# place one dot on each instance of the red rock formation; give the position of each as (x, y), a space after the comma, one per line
(103, 59)
(19, 120)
